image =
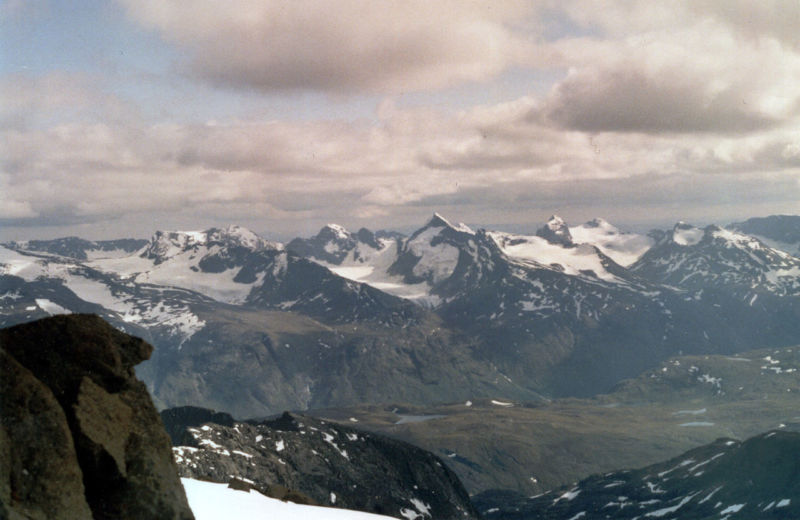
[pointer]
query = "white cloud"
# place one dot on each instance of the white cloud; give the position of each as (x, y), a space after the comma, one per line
(341, 45)
(410, 161)
(676, 106)
(700, 78)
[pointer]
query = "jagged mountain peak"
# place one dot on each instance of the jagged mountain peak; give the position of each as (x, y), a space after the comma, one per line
(239, 236)
(334, 244)
(438, 221)
(556, 231)
(336, 231)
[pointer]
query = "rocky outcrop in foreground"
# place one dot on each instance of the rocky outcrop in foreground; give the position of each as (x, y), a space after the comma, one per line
(79, 435)
(307, 460)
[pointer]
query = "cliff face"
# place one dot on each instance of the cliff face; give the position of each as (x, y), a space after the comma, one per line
(79, 435)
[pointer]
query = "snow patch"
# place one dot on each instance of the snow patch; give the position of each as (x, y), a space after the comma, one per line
(623, 248)
(213, 501)
(51, 307)
(435, 261)
(685, 235)
(732, 509)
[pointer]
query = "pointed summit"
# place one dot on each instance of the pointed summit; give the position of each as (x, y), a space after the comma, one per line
(438, 221)
(556, 231)
(333, 232)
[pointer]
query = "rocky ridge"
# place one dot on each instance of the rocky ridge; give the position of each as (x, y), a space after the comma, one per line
(309, 460)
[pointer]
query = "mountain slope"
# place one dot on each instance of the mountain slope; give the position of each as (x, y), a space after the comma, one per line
(685, 402)
(693, 258)
(318, 462)
(253, 362)
(777, 231)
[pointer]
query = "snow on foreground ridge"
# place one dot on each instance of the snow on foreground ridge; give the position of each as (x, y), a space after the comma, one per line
(213, 501)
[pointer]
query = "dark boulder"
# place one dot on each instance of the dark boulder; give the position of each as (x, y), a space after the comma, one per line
(80, 436)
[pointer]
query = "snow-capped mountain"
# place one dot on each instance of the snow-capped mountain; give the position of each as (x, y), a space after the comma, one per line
(363, 257)
(556, 231)
(167, 245)
(549, 312)
(334, 245)
(440, 260)
(624, 248)
(300, 336)
(693, 258)
(38, 285)
(533, 298)
(218, 263)
(231, 266)
(530, 297)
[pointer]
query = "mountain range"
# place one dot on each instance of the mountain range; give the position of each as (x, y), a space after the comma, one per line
(447, 313)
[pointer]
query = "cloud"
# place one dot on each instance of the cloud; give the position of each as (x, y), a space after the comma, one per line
(339, 46)
(679, 109)
(629, 99)
(695, 80)
(39, 100)
(776, 19)
(398, 168)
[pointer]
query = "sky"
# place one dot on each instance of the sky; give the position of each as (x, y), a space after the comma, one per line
(122, 117)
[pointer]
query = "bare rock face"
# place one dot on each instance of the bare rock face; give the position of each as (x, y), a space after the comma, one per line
(37, 479)
(80, 437)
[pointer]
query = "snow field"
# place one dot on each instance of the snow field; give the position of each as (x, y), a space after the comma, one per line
(213, 501)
